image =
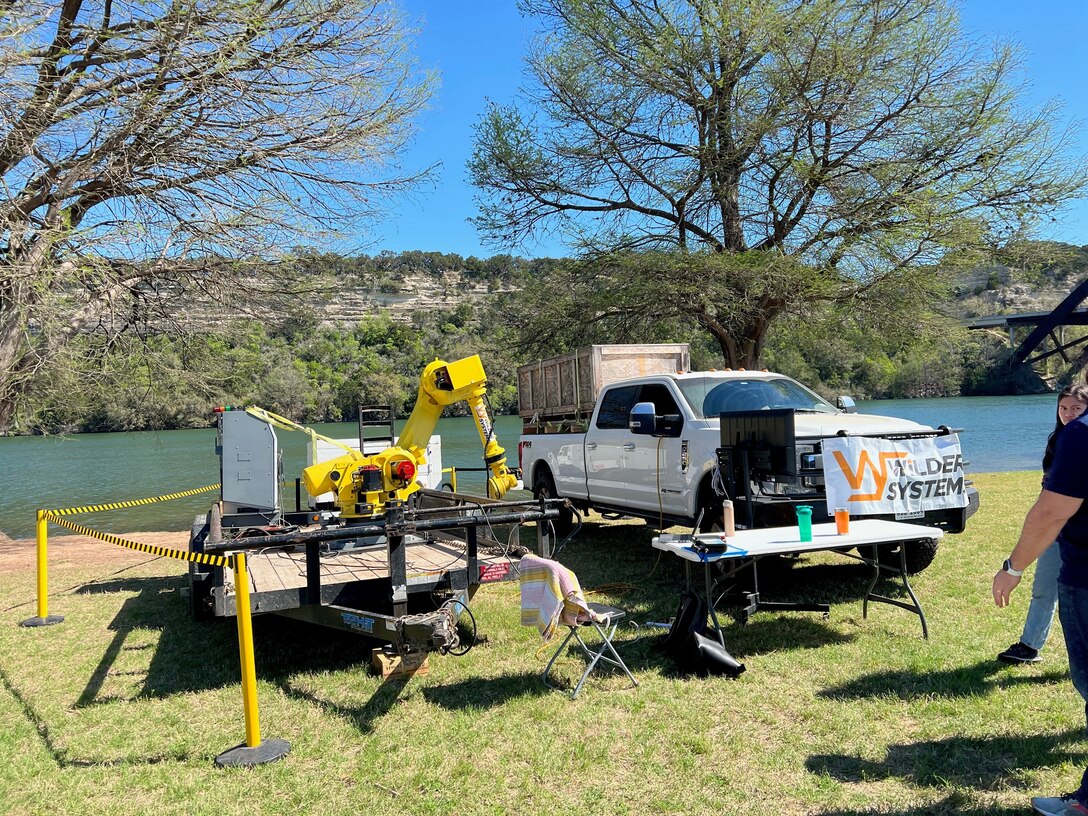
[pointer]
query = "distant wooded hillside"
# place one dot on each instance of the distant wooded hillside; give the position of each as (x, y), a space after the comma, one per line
(359, 330)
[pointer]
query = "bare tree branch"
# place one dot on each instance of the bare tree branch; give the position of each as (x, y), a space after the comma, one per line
(151, 151)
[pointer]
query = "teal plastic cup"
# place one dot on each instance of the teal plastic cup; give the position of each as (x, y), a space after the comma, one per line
(804, 521)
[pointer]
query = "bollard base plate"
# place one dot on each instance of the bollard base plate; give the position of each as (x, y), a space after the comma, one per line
(48, 620)
(243, 755)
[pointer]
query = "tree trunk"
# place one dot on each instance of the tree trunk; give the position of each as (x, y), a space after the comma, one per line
(7, 409)
(744, 348)
(11, 338)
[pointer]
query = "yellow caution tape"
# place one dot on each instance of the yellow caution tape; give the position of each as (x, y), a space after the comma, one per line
(162, 552)
(97, 508)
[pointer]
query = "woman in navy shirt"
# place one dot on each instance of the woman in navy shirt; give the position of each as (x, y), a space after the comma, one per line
(1060, 512)
(1072, 401)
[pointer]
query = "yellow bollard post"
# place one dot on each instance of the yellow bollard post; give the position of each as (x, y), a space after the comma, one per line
(253, 751)
(245, 648)
(42, 534)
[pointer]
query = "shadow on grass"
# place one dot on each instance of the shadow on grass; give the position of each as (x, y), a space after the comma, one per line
(970, 762)
(955, 804)
(965, 681)
(479, 693)
(287, 649)
(772, 633)
(284, 648)
(188, 656)
(60, 756)
(178, 655)
(362, 717)
(648, 584)
(191, 655)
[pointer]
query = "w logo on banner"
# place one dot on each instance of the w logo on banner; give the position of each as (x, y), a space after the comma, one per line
(865, 462)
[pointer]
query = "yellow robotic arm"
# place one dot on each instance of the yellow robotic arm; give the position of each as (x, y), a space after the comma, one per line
(363, 484)
(443, 384)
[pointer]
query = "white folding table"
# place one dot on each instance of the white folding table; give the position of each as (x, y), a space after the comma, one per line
(747, 547)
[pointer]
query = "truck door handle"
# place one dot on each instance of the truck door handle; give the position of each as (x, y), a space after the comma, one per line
(591, 446)
(630, 446)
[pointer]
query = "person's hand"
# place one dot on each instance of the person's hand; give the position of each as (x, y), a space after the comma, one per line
(1004, 584)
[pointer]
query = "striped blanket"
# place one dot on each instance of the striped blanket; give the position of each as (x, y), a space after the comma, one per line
(550, 595)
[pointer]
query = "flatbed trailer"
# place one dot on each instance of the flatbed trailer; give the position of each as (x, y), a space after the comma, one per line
(402, 579)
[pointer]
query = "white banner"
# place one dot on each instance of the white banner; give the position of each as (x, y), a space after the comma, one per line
(876, 476)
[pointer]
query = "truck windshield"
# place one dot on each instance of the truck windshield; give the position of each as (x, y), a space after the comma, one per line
(709, 396)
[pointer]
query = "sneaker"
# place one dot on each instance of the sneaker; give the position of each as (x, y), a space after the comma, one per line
(1065, 805)
(1020, 653)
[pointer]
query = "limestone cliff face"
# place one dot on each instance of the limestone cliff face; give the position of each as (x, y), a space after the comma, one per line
(418, 291)
(341, 302)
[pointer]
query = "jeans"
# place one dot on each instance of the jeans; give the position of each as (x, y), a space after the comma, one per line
(1073, 613)
(1044, 598)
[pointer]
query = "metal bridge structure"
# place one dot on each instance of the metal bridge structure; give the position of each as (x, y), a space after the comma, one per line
(1047, 337)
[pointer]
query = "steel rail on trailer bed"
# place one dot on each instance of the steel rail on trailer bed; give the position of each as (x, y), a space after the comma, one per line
(399, 579)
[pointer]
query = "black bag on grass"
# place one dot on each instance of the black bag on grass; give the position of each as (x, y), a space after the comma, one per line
(688, 644)
(706, 656)
(690, 617)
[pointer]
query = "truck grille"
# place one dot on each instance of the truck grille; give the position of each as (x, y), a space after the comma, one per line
(810, 466)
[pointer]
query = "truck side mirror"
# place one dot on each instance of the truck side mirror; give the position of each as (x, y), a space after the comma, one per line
(846, 405)
(643, 419)
(669, 425)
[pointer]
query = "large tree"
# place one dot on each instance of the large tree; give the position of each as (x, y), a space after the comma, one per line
(860, 141)
(163, 151)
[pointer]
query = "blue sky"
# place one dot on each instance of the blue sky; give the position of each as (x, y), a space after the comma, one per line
(477, 48)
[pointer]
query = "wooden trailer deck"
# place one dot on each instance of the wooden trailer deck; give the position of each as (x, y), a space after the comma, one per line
(372, 576)
(426, 562)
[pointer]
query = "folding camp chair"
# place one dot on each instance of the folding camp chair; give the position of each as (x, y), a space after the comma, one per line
(605, 620)
(550, 597)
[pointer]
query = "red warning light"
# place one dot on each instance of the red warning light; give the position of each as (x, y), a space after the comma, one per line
(404, 470)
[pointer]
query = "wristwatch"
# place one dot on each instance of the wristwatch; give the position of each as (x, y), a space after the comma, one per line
(1007, 567)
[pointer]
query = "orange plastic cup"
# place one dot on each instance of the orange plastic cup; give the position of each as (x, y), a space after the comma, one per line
(842, 520)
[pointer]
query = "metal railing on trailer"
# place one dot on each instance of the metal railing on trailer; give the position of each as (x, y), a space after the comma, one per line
(366, 586)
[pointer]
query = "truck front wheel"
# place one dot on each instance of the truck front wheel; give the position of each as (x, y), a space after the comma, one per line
(710, 505)
(544, 487)
(919, 554)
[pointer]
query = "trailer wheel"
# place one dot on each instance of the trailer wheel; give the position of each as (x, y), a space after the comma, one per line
(544, 487)
(920, 554)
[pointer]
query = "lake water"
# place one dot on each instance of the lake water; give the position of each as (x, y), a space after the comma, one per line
(999, 434)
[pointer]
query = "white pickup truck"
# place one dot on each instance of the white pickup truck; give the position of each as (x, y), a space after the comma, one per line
(666, 477)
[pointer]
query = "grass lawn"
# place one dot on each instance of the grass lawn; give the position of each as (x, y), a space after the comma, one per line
(122, 708)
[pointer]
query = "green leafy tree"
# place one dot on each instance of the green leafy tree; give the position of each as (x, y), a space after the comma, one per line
(850, 144)
(156, 153)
